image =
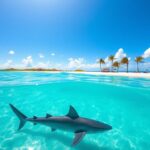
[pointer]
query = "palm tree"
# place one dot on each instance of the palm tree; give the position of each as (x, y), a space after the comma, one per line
(111, 58)
(125, 60)
(116, 64)
(101, 61)
(138, 60)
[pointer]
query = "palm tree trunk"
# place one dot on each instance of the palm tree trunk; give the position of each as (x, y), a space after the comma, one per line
(100, 67)
(112, 66)
(127, 67)
(137, 67)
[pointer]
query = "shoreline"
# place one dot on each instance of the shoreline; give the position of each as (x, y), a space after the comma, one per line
(120, 74)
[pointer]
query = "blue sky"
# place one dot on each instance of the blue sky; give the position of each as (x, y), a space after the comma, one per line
(72, 32)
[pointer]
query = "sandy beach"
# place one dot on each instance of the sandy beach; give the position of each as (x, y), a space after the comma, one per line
(133, 75)
(124, 74)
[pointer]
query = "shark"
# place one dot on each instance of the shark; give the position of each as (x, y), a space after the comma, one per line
(71, 122)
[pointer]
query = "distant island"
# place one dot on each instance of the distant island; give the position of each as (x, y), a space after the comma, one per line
(38, 69)
(30, 69)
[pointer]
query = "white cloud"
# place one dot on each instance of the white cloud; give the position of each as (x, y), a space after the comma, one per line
(28, 61)
(52, 54)
(41, 55)
(120, 54)
(107, 62)
(75, 62)
(42, 65)
(80, 63)
(11, 52)
(49, 64)
(8, 64)
(146, 53)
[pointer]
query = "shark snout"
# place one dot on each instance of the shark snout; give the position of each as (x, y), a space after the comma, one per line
(108, 127)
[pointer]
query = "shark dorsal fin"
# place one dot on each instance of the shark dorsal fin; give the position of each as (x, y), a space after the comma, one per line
(72, 113)
(34, 117)
(48, 115)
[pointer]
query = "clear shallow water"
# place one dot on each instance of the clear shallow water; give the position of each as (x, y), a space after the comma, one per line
(121, 102)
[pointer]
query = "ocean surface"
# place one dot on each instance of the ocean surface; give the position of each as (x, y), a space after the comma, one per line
(122, 102)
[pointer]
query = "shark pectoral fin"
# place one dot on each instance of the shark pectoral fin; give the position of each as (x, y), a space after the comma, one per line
(78, 137)
(53, 129)
(72, 113)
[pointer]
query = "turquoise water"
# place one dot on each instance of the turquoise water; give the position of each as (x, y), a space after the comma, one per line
(121, 102)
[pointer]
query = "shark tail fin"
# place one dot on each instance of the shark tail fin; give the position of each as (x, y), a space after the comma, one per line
(20, 115)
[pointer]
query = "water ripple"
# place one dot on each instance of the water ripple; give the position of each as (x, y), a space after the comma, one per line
(34, 78)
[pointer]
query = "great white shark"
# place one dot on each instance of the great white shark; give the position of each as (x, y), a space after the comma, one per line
(71, 122)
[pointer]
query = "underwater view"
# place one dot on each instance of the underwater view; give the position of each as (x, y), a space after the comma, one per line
(74, 75)
(122, 102)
